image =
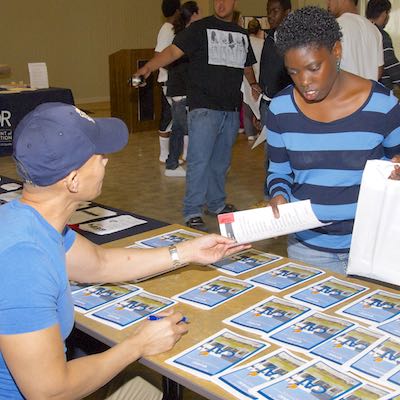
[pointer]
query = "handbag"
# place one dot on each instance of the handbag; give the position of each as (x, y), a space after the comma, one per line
(375, 245)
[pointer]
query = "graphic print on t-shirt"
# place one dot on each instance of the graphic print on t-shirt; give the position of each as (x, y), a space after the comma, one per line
(227, 48)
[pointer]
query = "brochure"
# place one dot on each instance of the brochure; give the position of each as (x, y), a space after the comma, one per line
(112, 225)
(314, 381)
(76, 286)
(327, 293)
(380, 360)
(130, 310)
(375, 307)
(344, 348)
(95, 296)
(10, 186)
(245, 261)
(240, 380)
(90, 213)
(285, 276)
(311, 331)
(259, 223)
(216, 354)
(214, 292)
(392, 327)
(367, 392)
(8, 196)
(395, 378)
(168, 238)
(267, 315)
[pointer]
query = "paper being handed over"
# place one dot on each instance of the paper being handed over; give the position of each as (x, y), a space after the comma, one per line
(259, 223)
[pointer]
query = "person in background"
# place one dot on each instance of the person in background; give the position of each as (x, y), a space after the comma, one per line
(170, 10)
(362, 52)
(321, 132)
(59, 152)
(378, 12)
(177, 91)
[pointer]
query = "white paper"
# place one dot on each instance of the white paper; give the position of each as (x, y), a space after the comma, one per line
(249, 99)
(262, 137)
(89, 214)
(10, 186)
(259, 223)
(6, 197)
(38, 76)
(111, 225)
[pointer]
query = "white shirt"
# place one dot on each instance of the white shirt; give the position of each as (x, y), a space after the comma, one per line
(362, 46)
(164, 39)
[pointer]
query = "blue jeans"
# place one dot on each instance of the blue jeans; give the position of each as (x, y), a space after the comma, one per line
(179, 129)
(336, 262)
(165, 118)
(211, 136)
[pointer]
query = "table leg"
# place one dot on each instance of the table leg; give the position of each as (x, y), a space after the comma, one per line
(171, 389)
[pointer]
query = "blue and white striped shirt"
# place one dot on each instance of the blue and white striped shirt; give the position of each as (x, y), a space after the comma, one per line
(324, 162)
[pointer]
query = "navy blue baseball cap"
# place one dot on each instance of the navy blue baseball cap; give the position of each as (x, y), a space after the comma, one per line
(56, 138)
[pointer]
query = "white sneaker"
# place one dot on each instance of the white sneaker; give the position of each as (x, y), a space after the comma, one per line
(251, 138)
(178, 172)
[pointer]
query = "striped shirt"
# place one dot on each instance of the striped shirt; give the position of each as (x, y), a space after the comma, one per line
(324, 162)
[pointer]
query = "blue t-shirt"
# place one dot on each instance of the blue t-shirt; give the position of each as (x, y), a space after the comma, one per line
(34, 287)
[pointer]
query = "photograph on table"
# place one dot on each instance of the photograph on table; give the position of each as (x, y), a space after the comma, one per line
(169, 238)
(214, 292)
(346, 347)
(267, 315)
(374, 308)
(327, 293)
(314, 381)
(239, 381)
(285, 276)
(128, 311)
(90, 214)
(311, 331)
(381, 360)
(88, 299)
(245, 261)
(216, 354)
(112, 224)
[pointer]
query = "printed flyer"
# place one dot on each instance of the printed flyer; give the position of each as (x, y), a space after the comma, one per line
(327, 293)
(130, 310)
(315, 381)
(367, 392)
(347, 346)
(392, 327)
(375, 307)
(240, 380)
(168, 238)
(75, 286)
(285, 276)
(267, 315)
(216, 354)
(214, 292)
(311, 331)
(245, 261)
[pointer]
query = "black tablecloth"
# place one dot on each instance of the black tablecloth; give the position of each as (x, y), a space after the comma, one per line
(14, 106)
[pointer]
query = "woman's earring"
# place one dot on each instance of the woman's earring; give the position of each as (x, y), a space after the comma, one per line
(338, 65)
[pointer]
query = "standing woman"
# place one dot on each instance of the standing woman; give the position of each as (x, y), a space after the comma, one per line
(176, 90)
(321, 132)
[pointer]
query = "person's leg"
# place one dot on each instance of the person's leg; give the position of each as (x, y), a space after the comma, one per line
(185, 146)
(335, 262)
(203, 128)
(249, 127)
(221, 160)
(164, 129)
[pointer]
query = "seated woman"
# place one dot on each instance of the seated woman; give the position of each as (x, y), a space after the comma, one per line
(321, 132)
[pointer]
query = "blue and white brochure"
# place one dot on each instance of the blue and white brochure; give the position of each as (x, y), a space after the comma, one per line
(395, 378)
(214, 292)
(311, 331)
(374, 308)
(267, 315)
(240, 380)
(245, 261)
(367, 392)
(76, 286)
(168, 238)
(130, 310)
(346, 347)
(327, 293)
(392, 327)
(382, 359)
(314, 381)
(285, 276)
(216, 354)
(393, 396)
(98, 295)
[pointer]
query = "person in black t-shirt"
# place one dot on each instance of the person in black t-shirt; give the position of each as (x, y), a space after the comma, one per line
(219, 52)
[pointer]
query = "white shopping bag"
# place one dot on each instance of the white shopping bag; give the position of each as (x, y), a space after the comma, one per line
(375, 246)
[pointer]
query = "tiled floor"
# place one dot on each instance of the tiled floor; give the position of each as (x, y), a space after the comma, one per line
(135, 182)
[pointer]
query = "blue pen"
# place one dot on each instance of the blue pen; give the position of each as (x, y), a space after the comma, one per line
(155, 318)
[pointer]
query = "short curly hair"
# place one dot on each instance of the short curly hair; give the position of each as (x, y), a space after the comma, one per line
(308, 26)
